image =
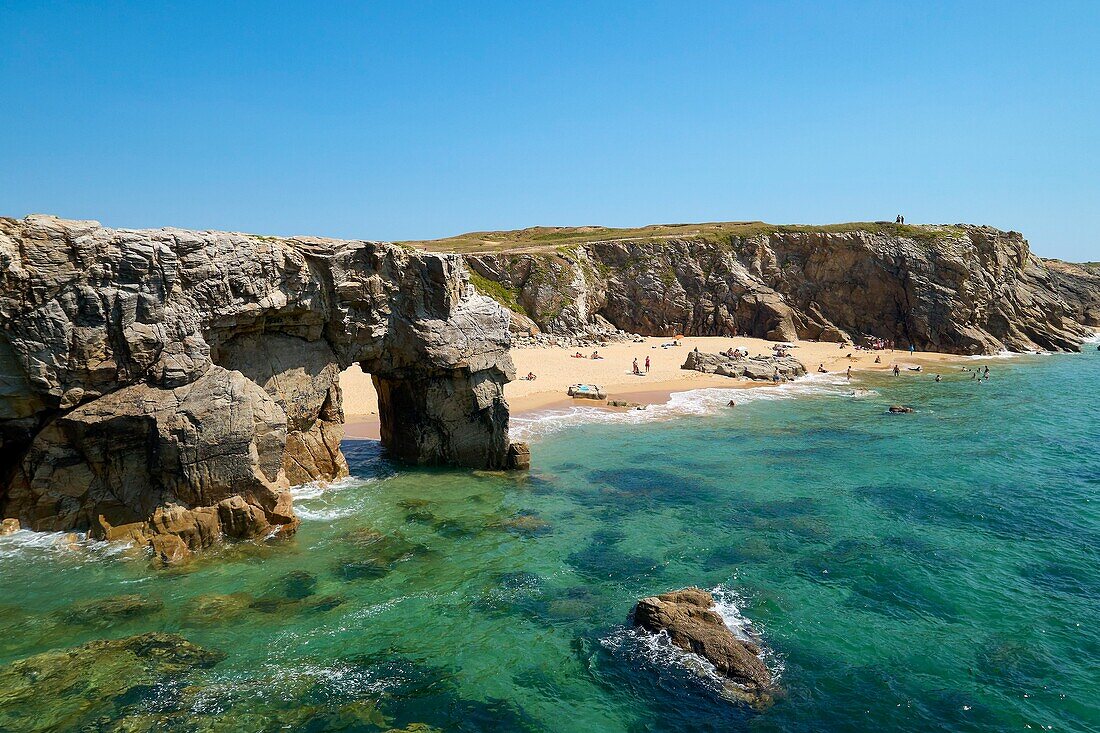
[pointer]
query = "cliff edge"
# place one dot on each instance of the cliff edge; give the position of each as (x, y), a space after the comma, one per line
(958, 289)
(168, 386)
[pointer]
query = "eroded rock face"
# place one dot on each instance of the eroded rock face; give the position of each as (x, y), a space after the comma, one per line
(689, 619)
(168, 386)
(959, 289)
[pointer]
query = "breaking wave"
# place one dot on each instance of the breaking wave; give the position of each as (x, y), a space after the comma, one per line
(26, 544)
(659, 651)
(320, 501)
(695, 402)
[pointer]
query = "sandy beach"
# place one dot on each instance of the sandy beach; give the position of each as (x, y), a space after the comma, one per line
(556, 368)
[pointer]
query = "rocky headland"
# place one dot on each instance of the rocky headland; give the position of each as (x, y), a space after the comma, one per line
(957, 289)
(168, 386)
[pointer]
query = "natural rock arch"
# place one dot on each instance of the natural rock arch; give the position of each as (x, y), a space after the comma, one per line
(170, 385)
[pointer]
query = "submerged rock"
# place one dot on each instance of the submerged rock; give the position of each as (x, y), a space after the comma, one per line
(525, 524)
(74, 689)
(216, 608)
(108, 611)
(901, 409)
(361, 570)
(689, 619)
(298, 584)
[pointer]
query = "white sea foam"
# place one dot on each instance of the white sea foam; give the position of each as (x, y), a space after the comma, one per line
(318, 500)
(728, 604)
(695, 402)
(26, 544)
(658, 649)
(999, 355)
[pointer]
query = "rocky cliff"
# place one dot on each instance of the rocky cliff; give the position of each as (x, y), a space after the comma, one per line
(958, 289)
(168, 386)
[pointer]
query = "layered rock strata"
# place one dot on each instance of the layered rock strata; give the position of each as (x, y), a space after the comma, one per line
(957, 289)
(169, 386)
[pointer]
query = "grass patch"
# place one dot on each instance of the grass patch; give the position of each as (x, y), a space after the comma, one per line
(502, 294)
(559, 238)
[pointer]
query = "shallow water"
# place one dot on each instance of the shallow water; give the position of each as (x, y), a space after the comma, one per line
(933, 571)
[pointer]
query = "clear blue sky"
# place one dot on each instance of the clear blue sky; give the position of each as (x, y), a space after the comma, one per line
(415, 120)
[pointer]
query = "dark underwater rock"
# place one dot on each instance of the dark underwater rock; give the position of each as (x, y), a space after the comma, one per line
(107, 611)
(71, 689)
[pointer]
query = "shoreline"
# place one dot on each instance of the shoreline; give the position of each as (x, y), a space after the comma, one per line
(556, 368)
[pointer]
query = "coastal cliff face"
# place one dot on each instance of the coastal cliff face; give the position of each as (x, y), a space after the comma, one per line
(168, 386)
(956, 289)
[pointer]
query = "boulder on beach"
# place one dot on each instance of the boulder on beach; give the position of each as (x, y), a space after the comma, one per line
(758, 368)
(691, 622)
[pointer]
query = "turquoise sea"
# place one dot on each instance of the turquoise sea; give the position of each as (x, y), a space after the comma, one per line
(932, 571)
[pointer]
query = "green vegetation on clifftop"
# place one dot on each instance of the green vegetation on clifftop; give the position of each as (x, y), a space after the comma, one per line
(498, 292)
(546, 238)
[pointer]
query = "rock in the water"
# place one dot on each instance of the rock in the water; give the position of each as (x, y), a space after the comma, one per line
(73, 689)
(216, 608)
(519, 456)
(166, 387)
(901, 409)
(9, 526)
(526, 524)
(108, 611)
(689, 619)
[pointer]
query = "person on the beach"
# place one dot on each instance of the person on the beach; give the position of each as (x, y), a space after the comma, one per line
(775, 377)
(821, 368)
(939, 378)
(911, 349)
(731, 404)
(647, 365)
(849, 373)
(974, 376)
(897, 370)
(878, 359)
(987, 371)
(636, 370)
(530, 377)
